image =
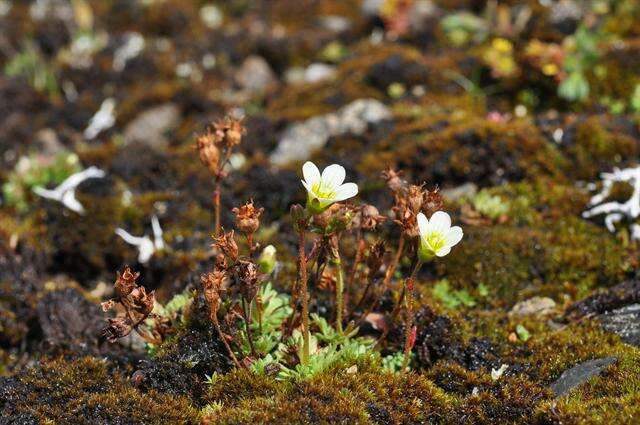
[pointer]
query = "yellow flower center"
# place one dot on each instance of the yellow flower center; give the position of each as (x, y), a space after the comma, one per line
(435, 241)
(323, 191)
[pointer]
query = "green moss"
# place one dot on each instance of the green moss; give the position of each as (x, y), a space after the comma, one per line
(559, 259)
(598, 149)
(467, 148)
(62, 391)
(368, 395)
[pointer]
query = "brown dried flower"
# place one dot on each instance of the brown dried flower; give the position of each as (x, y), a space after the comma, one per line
(394, 179)
(226, 243)
(375, 256)
(248, 217)
(229, 131)
(370, 217)
(141, 302)
(125, 282)
(117, 328)
(415, 198)
(213, 284)
(432, 201)
(209, 152)
(249, 279)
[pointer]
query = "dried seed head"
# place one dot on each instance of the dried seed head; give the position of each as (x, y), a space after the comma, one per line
(213, 285)
(375, 256)
(415, 198)
(229, 131)
(248, 218)
(126, 282)
(141, 302)
(394, 180)
(370, 217)
(432, 201)
(249, 279)
(209, 152)
(226, 243)
(117, 328)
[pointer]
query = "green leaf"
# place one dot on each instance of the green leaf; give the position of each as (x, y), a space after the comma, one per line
(523, 333)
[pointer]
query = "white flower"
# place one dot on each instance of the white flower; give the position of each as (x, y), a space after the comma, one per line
(436, 235)
(323, 190)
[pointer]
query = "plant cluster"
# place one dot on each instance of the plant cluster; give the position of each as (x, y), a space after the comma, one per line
(276, 334)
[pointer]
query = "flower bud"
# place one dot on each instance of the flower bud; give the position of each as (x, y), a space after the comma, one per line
(267, 260)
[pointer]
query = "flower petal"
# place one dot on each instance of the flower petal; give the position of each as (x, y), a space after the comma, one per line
(346, 191)
(423, 223)
(453, 236)
(439, 222)
(443, 251)
(311, 173)
(333, 176)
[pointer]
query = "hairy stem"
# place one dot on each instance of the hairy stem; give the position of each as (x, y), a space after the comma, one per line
(408, 291)
(216, 208)
(339, 290)
(394, 263)
(302, 272)
(216, 323)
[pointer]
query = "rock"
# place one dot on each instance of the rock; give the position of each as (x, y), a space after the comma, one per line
(466, 190)
(335, 23)
(300, 140)
(535, 305)
(579, 374)
(624, 322)
(150, 126)
(211, 16)
(255, 74)
(371, 8)
(68, 319)
(48, 143)
(565, 16)
(318, 72)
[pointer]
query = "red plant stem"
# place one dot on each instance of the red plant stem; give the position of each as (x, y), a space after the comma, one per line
(392, 266)
(357, 259)
(214, 319)
(408, 290)
(302, 270)
(216, 207)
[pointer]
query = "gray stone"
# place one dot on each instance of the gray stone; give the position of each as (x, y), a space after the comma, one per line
(335, 23)
(624, 322)
(579, 374)
(371, 8)
(48, 142)
(300, 140)
(150, 126)
(318, 72)
(466, 190)
(535, 305)
(255, 74)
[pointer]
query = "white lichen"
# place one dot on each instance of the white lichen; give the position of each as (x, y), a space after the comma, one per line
(615, 211)
(65, 193)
